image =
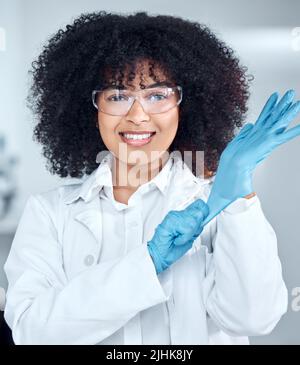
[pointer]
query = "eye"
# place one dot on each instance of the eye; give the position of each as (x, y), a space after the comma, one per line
(157, 97)
(117, 97)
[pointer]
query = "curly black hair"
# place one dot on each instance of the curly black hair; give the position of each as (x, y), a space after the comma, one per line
(96, 49)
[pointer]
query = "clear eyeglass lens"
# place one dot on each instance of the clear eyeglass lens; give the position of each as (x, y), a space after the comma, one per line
(154, 100)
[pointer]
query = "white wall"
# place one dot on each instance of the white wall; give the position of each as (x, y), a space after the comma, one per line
(274, 59)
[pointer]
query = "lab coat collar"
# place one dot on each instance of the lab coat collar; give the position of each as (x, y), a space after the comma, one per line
(102, 176)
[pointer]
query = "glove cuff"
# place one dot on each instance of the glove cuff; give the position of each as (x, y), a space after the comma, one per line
(158, 263)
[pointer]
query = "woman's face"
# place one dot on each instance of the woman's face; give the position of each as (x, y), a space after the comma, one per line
(137, 120)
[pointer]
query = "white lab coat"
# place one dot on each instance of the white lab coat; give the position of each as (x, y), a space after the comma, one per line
(227, 287)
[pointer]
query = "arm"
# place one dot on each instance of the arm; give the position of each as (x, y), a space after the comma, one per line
(43, 307)
(244, 291)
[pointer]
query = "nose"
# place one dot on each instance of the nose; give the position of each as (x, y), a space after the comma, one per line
(136, 113)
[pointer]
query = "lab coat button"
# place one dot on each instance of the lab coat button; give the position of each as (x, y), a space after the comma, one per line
(89, 260)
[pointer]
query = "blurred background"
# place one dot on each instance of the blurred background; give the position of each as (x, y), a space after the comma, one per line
(266, 37)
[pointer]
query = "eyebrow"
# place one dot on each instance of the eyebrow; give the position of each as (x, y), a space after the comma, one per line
(160, 83)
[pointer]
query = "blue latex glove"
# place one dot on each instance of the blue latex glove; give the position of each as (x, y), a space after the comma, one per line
(175, 235)
(250, 147)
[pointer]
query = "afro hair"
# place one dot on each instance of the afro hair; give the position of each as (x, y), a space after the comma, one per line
(96, 49)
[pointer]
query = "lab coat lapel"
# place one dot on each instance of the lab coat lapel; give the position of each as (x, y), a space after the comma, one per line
(182, 190)
(91, 218)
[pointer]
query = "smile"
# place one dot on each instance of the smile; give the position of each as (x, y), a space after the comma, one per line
(136, 139)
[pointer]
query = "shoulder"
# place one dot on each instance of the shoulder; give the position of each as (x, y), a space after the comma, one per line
(52, 202)
(57, 195)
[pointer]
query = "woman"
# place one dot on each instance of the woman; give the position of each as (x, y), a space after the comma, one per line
(132, 254)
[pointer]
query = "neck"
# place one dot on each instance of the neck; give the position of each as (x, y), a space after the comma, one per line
(130, 177)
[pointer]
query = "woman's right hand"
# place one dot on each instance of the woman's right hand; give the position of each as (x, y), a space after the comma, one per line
(175, 235)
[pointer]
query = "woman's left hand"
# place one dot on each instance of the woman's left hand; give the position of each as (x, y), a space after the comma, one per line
(250, 147)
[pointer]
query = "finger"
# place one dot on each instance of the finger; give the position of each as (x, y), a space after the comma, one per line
(285, 100)
(244, 131)
(286, 109)
(289, 134)
(198, 208)
(283, 112)
(198, 230)
(183, 241)
(287, 117)
(177, 223)
(267, 109)
(188, 235)
(191, 219)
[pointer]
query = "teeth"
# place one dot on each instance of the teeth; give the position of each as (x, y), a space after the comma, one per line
(137, 136)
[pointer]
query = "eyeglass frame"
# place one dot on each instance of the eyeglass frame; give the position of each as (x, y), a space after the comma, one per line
(94, 92)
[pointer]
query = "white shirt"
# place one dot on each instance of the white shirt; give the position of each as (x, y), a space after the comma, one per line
(135, 223)
(79, 270)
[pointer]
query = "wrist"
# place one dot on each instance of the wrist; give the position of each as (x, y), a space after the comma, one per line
(249, 196)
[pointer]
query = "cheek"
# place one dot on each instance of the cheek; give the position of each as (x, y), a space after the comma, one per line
(168, 127)
(107, 131)
(167, 134)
